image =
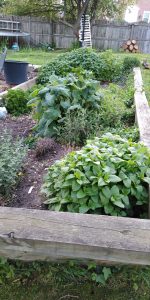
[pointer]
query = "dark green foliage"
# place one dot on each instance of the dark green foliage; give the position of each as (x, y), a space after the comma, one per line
(11, 159)
(78, 126)
(104, 66)
(131, 133)
(16, 102)
(129, 63)
(62, 95)
(6, 270)
(107, 176)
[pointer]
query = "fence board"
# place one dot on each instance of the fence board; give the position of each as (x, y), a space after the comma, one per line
(105, 35)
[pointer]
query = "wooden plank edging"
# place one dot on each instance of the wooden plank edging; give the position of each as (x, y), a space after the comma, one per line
(28, 234)
(142, 108)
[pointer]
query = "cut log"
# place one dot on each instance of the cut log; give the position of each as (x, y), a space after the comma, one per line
(129, 42)
(131, 47)
(133, 42)
(136, 47)
(127, 50)
(125, 46)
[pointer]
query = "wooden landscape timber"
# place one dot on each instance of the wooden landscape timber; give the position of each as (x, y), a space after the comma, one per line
(142, 112)
(27, 234)
(142, 108)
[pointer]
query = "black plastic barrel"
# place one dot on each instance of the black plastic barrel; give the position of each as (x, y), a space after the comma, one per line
(15, 71)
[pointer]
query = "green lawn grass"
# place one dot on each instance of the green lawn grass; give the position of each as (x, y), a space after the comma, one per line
(146, 82)
(145, 72)
(49, 284)
(33, 56)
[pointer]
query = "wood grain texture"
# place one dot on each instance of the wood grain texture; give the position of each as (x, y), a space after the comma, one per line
(43, 235)
(105, 34)
(142, 108)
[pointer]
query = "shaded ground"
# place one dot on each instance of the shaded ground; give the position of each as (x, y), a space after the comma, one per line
(27, 193)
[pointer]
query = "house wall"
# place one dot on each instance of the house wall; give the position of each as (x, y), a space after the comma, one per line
(144, 5)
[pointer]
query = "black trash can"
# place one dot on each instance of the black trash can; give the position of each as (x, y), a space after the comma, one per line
(15, 71)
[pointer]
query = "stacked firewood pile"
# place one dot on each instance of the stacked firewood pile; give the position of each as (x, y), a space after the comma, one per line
(131, 46)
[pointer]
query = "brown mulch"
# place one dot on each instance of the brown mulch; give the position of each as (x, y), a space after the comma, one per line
(27, 192)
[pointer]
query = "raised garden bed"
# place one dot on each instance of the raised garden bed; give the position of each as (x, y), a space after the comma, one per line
(27, 193)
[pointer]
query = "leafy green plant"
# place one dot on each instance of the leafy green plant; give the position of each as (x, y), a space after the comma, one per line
(78, 126)
(107, 176)
(6, 270)
(105, 66)
(129, 63)
(11, 159)
(63, 95)
(16, 102)
(75, 45)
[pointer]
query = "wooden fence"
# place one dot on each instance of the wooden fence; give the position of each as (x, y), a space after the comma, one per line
(105, 35)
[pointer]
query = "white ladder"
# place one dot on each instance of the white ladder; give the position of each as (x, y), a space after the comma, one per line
(85, 31)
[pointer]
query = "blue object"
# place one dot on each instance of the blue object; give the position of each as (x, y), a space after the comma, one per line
(15, 47)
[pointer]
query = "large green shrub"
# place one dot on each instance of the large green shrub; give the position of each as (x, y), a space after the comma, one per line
(16, 102)
(11, 159)
(105, 66)
(107, 176)
(63, 95)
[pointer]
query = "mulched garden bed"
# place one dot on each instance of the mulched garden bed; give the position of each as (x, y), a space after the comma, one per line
(27, 192)
(32, 72)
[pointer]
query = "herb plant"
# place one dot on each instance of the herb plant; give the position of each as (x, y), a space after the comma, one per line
(107, 176)
(63, 95)
(12, 154)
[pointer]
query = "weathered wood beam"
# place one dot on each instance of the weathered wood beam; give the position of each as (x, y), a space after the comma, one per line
(142, 108)
(142, 112)
(43, 235)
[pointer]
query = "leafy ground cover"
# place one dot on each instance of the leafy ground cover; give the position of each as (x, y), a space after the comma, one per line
(44, 281)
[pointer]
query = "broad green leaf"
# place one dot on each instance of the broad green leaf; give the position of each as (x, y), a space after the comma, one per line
(83, 209)
(101, 182)
(81, 194)
(115, 190)
(106, 191)
(114, 178)
(70, 176)
(127, 182)
(75, 186)
(146, 179)
(119, 204)
(65, 104)
(106, 272)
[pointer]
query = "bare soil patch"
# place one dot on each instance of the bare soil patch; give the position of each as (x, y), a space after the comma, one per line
(27, 192)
